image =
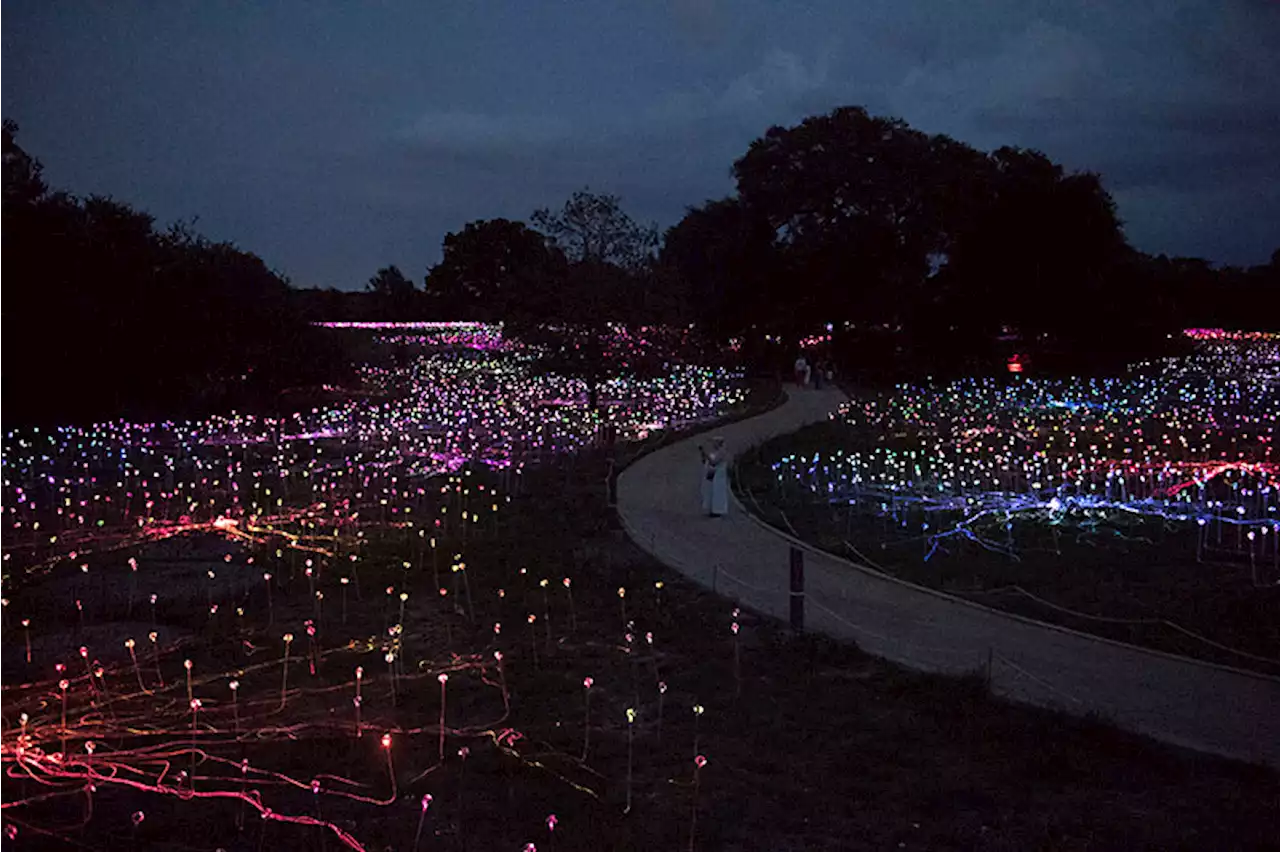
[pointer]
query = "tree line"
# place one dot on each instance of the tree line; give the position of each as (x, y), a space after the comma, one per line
(922, 254)
(106, 316)
(917, 249)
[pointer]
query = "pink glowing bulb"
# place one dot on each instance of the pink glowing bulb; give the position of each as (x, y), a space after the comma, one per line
(551, 822)
(443, 678)
(315, 786)
(587, 682)
(734, 628)
(426, 802)
(700, 761)
(386, 741)
(566, 585)
(84, 652)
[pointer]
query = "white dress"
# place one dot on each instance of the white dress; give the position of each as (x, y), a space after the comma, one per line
(715, 490)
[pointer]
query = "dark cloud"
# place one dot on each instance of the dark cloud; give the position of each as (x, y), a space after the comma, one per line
(334, 140)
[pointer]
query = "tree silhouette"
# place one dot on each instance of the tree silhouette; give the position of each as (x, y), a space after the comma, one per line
(496, 270)
(22, 181)
(593, 228)
(394, 295)
(855, 204)
(106, 317)
(723, 257)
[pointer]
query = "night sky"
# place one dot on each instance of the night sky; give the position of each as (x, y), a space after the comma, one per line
(336, 138)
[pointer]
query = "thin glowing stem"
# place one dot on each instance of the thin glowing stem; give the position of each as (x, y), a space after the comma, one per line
(444, 679)
(284, 670)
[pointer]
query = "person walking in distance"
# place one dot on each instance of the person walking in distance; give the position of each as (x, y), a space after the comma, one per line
(802, 371)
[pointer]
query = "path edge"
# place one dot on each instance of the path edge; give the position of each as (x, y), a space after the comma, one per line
(880, 575)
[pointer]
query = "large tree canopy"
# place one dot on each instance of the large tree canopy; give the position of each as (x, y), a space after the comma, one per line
(850, 217)
(858, 204)
(496, 270)
(723, 253)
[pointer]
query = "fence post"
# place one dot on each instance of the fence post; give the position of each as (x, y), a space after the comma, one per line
(797, 589)
(611, 486)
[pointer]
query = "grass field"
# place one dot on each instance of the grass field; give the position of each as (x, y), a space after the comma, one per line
(1116, 586)
(811, 745)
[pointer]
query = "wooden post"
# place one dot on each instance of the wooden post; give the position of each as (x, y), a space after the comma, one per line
(611, 486)
(797, 589)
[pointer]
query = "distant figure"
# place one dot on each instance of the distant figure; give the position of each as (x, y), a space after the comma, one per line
(715, 479)
(802, 371)
(818, 370)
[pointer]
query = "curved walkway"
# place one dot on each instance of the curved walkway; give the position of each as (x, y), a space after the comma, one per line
(1198, 705)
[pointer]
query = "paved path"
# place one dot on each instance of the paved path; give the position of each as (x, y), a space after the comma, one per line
(1197, 705)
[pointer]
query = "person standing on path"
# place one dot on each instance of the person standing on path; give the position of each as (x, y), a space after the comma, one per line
(802, 371)
(715, 479)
